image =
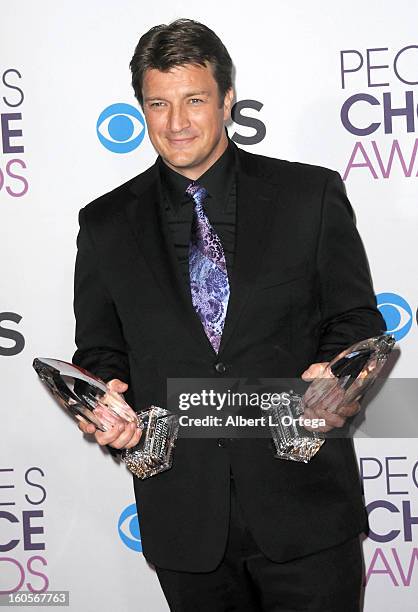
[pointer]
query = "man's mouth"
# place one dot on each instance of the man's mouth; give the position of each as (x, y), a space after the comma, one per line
(180, 141)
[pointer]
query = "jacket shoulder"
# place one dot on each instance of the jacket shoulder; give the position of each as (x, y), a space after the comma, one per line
(110, 202)
(277, 170)
(301, 185)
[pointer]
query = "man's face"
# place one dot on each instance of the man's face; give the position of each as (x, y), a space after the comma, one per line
(184, 120)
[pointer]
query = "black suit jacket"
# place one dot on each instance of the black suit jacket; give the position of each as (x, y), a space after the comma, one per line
(300, 292)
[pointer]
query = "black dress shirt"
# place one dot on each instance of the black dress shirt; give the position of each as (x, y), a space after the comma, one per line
(220, 206)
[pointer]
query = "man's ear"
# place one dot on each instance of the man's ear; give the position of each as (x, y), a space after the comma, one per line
(227, 105)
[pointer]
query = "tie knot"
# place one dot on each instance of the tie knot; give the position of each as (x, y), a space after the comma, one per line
(197, 192)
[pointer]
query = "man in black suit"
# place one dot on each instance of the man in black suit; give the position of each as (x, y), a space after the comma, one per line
(228, 527)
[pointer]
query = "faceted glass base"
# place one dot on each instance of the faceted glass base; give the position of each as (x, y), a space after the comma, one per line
(300, 449)
(154, 453)
(291, 439)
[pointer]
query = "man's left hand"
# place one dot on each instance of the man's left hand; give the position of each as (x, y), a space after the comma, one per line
(318, 370)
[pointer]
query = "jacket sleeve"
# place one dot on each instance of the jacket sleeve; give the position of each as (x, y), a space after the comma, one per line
(101, 347)
(347, 301)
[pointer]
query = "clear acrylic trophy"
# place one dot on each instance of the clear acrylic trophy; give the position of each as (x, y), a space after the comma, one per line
(347, 377)
(88, 399)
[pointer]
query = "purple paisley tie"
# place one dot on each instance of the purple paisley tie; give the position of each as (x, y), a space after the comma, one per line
(207, 269)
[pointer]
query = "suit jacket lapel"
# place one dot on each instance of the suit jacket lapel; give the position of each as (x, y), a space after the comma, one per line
(152, 235)
(256, 206)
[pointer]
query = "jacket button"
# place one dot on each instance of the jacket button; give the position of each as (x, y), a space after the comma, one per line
(221, 442)
(220, 367)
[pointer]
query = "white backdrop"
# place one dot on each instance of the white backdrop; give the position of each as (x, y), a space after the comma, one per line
(62, 499)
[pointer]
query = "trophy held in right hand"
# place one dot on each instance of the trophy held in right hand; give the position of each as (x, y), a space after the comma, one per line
(88, 398)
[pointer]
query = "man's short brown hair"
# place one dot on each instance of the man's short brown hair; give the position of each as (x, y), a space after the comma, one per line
(179, 43)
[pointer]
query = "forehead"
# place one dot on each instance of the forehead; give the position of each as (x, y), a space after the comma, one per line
(179, 77)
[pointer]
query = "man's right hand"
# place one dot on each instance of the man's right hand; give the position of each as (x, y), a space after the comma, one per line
(122, 434)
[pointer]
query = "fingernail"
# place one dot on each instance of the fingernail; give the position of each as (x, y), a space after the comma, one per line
(121, 427)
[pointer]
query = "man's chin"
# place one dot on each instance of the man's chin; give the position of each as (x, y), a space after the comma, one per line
(181, 161)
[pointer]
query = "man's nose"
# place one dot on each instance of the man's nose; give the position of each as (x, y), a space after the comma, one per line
(178, 119)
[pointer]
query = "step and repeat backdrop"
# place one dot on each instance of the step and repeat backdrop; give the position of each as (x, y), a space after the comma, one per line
(315, 82)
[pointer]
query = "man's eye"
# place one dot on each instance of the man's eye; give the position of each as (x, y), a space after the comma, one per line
(156, 104)
(194, 100)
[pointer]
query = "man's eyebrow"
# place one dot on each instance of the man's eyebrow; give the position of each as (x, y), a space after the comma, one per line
(203, 92)
(149, 99)
(186, 95)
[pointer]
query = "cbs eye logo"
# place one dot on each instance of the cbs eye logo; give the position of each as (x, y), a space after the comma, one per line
(397, 314)
(128, 528)
(120, 128)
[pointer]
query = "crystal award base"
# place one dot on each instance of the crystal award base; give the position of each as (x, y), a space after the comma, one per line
(291, 439)
(154, 453)
(346, 378)
(88, 399)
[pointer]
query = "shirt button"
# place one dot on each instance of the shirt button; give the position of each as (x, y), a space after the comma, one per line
(221, 442)
(220, 367)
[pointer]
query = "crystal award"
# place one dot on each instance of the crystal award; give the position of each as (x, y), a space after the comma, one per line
(346, 378)
(88, 399)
